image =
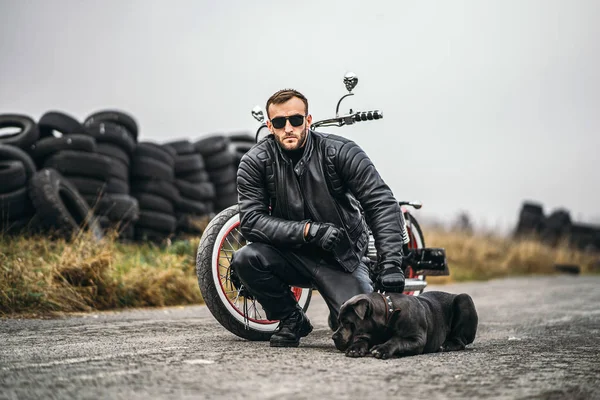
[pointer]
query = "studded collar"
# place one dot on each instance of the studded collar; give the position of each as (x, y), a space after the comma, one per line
(389, 307)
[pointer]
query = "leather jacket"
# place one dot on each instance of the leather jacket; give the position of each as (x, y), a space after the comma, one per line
(338, 183)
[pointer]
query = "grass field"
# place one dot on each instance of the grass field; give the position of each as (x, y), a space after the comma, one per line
(40, 277)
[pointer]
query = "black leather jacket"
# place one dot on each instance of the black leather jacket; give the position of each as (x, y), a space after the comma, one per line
(337, 181)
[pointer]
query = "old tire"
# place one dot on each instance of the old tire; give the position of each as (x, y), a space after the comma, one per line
(109, 132)
(157, 221)
(59, 205)
(211, 145)
(153, 202)
(219, 161)
(12, 175)
(160, 188)
(224, 176)
(119, 207)
(81, 163)
(115, 116)
(188, 163)
(195, 177)
(15, 205)
(203, 191)
(9, 152)
(28, 130)
(151, 168)
(190, 206)
(155, 151)
(181, 147)
(48, 146)
(114, 151)
(60, 122)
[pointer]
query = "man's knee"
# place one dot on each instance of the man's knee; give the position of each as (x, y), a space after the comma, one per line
(250, 258)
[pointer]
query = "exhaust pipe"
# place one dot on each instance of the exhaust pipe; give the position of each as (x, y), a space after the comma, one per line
(414, 285)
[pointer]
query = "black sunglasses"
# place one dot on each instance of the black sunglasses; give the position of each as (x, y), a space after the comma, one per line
(295, 120)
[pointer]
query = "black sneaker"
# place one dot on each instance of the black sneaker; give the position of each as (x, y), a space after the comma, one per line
(291, 329)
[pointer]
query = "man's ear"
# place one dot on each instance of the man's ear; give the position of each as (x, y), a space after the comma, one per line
(363, 308)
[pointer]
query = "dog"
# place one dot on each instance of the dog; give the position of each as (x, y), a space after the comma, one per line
(394, 324)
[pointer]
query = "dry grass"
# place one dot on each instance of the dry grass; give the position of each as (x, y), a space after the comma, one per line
(41, 277)
(483, 257)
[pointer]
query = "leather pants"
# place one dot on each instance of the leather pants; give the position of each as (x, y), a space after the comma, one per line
(268, 272)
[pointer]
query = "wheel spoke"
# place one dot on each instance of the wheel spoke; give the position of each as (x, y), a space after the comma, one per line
(259, 316)
(233, 241)
(237, 297)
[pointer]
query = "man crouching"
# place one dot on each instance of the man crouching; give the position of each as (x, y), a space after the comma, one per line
(302, 195)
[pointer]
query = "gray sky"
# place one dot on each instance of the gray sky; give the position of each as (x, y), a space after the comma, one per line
(486, 103)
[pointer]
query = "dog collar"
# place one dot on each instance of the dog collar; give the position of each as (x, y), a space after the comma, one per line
(389, 307)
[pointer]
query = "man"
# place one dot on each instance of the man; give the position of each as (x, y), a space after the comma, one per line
(301, 196)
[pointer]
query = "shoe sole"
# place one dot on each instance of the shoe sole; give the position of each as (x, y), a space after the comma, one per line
(291, 343)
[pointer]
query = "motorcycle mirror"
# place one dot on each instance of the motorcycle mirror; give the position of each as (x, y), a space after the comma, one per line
(258, 114)
(350, 80)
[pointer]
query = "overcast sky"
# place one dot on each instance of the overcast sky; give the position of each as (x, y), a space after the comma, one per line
(486, 103)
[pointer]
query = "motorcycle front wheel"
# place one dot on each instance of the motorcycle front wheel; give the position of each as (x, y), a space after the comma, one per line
(243, 316)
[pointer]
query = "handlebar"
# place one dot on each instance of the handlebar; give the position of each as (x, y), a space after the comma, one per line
(349, 119)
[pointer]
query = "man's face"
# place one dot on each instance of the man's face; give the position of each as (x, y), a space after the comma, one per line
(289, 137)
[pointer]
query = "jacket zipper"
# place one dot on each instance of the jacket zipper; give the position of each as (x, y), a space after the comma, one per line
(313, 214)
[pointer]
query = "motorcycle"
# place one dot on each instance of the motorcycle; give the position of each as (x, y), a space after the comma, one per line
(235, 308)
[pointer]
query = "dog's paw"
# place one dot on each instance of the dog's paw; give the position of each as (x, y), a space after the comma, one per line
(359, 349)
(453, 346)
(380, 351)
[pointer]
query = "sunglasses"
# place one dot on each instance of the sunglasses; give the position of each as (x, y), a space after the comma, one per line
(295, 121)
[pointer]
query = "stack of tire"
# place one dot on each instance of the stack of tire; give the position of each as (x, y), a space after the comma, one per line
(531, 219)
(219, 160)
(197, 193)
(556, 227)
(240, 144)
(586, 237)
(16, 169)
(115, 133)
(40, 200)
(152, 184)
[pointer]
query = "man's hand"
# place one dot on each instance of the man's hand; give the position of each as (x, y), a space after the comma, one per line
(390, 278)
(324, 235)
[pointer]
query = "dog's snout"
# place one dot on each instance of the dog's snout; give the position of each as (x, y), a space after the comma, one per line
(338, 340)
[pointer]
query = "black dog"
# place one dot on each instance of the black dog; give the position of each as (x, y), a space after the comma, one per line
(396, 324)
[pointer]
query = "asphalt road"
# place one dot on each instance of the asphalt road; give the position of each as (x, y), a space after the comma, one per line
(537, 338)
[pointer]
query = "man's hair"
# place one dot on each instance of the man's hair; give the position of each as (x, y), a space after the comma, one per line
(284, 95)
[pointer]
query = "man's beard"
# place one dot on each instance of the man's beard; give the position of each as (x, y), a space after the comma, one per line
(300, 142)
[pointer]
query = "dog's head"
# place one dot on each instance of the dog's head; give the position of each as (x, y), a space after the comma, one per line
(355, 320)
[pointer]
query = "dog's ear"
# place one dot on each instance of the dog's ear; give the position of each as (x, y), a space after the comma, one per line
(360, 303)
(362, 308)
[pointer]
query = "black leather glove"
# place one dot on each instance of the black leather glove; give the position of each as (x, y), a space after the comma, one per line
(324, 235)
(390, 278)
